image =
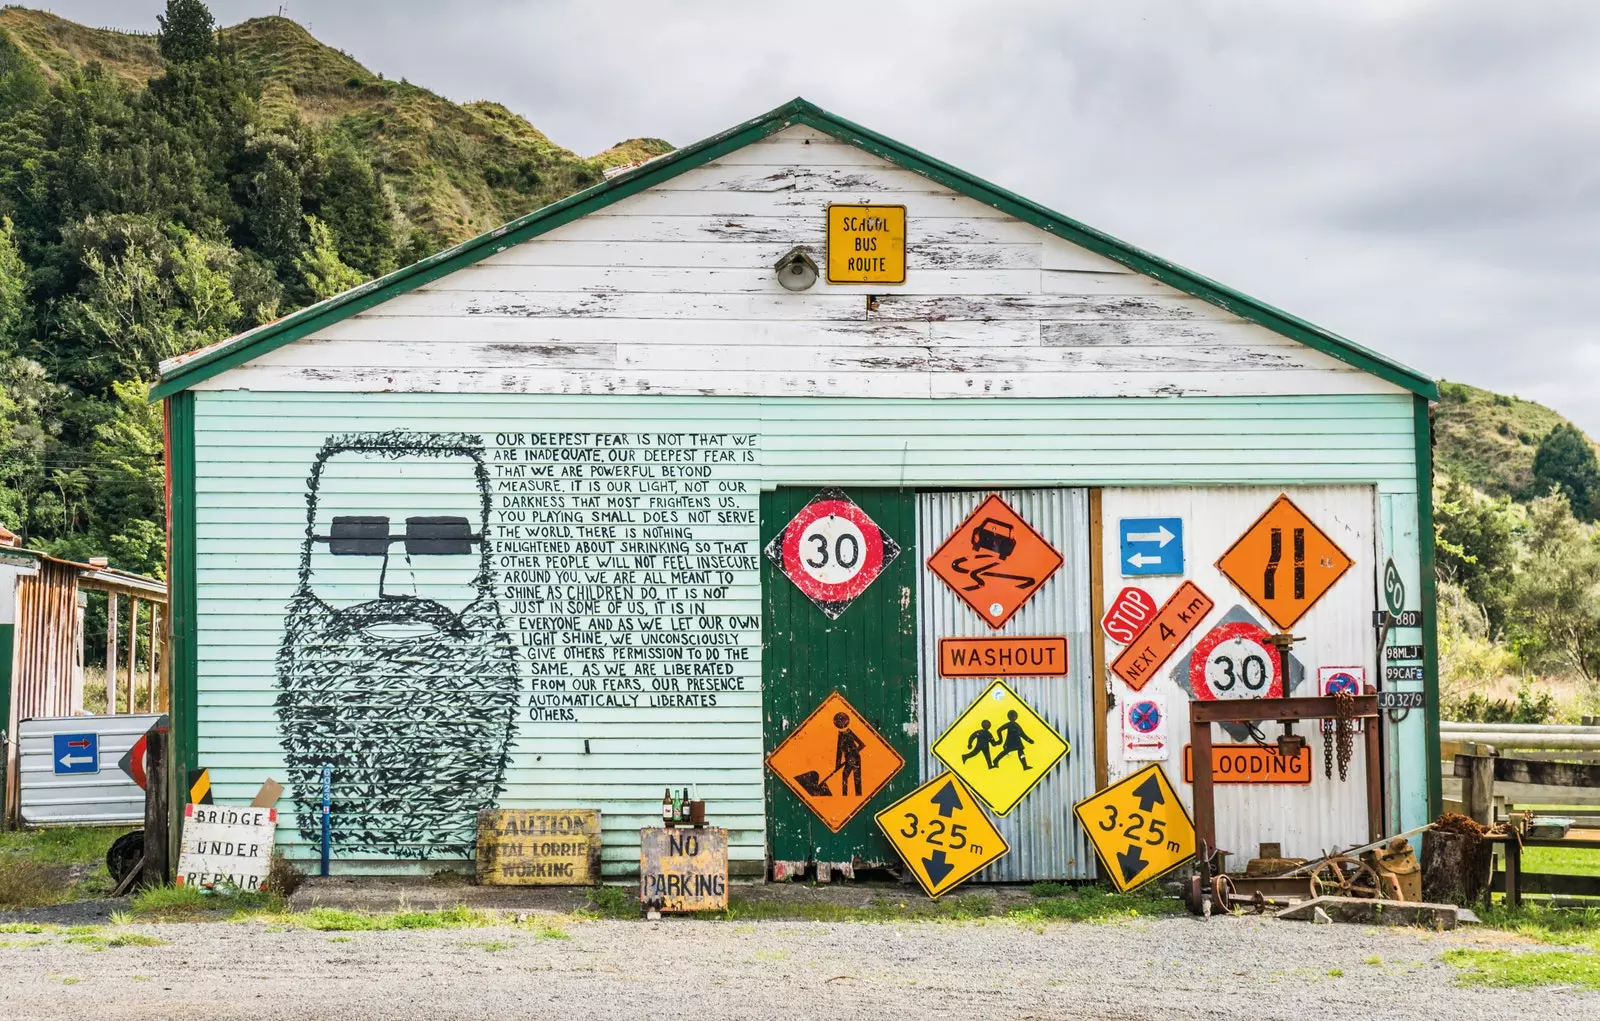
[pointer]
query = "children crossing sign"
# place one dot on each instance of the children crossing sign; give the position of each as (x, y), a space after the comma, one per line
(1000, 748)
(942, 834)
(1138, 827)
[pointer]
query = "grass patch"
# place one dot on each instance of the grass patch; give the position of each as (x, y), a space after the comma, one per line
(1564, 861)
(97, 942)
(493, 946)
(31, 884)
(338, 920)
(1513, 969)
(1556, 926)
(65, 845)
(177, 903)
(1091, 904)
(52, 866)
(614, 902)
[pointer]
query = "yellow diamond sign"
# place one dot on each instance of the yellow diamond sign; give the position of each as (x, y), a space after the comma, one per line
(1000, 748)
(942, 834)
(1138, 827)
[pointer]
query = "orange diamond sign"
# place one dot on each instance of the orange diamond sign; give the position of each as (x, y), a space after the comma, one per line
(1284, 563)
(995, 561)
(835, 762)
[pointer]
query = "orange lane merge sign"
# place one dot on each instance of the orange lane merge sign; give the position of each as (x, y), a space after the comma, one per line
(1284, 563)
(1242, 763)
(995, 561)
(1174, 622)
(835, 762)
(1003, 657)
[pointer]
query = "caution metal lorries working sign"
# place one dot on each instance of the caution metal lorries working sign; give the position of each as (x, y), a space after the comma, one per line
(942, 834)
(1138, 827)
(995, 561)
(866, 244)
(989, 747)
(1284, 563)
(835, 762)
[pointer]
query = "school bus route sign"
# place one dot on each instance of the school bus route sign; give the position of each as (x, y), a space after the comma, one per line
(866, 244)
(989, 747)
(1138, 827)
(942, 834)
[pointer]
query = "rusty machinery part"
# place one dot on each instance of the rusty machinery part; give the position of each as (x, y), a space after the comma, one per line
(1344, 729)
(1344, 876)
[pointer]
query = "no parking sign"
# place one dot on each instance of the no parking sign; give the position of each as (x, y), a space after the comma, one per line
(832, 551)
(1144, 728)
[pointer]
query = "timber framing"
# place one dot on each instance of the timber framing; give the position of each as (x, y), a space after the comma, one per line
(182, 373)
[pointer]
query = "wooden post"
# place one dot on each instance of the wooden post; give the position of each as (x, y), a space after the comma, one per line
(133, 652)
(1477, 787)
(111, 655)
(1513, 846)
(158, 765)
(1374, 778)
(150, 673)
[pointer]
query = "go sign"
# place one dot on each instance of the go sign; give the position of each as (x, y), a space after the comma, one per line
(832, 551)
(1235, 661)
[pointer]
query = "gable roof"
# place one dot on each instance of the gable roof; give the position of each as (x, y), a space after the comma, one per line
(183, 372)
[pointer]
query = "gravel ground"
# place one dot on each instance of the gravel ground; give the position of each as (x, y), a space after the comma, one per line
(1159, 969)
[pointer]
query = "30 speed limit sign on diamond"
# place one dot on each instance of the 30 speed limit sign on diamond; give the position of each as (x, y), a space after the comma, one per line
(942, 834)
(1138, 827)
(832, 551)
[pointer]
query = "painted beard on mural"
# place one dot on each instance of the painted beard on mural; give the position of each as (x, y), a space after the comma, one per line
(396, 667)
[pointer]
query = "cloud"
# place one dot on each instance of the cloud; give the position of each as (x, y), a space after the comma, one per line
(1420, 175)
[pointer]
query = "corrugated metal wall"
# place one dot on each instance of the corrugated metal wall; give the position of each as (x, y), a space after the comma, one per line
(1045, 841)
(106, 798)
(49, 668)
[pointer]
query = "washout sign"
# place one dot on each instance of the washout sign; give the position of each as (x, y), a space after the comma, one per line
(990, 745)
(1173, 624)
(1003, 657)
(835, 762)
(995, 561)
(942, 834)
(832, 551)
(1139, 828)
(1284, 563)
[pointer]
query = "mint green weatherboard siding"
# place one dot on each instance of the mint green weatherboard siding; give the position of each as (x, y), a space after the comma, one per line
(239, 507)
(868, 655)
(208, 363)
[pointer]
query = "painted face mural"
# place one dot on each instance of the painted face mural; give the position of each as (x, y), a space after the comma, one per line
(396, 666)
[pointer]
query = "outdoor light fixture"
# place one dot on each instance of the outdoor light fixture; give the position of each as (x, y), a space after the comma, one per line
(796, 270)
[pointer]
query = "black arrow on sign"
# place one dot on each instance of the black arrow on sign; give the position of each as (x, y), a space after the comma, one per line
(1149, 794)
(1131, 860)
(948, 801)
(938, 868)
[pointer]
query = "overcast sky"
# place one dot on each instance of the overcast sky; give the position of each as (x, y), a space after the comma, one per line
(1422, 176)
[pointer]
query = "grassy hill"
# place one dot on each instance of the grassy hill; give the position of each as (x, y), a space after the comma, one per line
(454, 170)
(1487, 439)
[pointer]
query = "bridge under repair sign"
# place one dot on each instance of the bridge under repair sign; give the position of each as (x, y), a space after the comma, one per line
(1138, 827)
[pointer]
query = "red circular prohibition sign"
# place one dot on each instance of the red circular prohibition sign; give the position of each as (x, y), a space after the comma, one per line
(1239, 630)
(871, 557)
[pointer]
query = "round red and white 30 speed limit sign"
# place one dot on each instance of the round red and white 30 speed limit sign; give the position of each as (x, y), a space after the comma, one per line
(832, 551)
(1235, 661)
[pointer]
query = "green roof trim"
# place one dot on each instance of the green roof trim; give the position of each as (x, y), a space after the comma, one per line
(209, 362)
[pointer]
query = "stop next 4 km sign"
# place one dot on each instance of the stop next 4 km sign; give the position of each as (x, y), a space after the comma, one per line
(1138, 827)
(942, 834)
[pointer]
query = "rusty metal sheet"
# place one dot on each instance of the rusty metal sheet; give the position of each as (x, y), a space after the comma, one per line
(539, 846)
(683, 869)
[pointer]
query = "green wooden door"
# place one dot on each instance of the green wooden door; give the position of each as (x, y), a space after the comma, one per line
(868, 655)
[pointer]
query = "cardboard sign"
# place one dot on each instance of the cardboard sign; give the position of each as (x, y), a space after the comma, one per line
(1234, 660)
(942, 834)
(1173, 624)
(1251, 764)
(832, 551)
(995, 561)
(1284, 563)
(226, 848)
(991, 744)
(835, 762)
(866, 244)
(538, 846)
(683, 869)
(1130, 613)
(1144, 728)
(1003, 657)
(1138, 827)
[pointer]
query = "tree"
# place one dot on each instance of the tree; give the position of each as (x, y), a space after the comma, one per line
(351, 201)
(13, 288)
(321, 268)
(1566, 462)
(274, 216)
(1555, 601)
(1474, 548)
(188, 32)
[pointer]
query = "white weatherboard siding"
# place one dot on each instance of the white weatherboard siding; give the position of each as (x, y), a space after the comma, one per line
(672, 292)
(254, 452)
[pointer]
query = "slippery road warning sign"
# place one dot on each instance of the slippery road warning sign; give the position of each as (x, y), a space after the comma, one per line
(995, 561)
(835, 762)
(1138, 827)
(942, 834)
(1284, 563)
(991, 744)
(832, 551)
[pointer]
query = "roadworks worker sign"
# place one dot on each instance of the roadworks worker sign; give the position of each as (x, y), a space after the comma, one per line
(835, 762)
(1138, 827)
(1000, 748)
(942, 834)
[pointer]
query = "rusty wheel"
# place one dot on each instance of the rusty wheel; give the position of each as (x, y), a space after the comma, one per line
(1343, 876)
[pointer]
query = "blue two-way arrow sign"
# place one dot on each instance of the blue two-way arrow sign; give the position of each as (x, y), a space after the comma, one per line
(1151, 546)
(76, 753)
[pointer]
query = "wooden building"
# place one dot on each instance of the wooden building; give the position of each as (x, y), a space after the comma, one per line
(492, 529)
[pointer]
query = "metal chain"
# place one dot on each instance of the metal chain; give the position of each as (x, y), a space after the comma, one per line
(1344, 711)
